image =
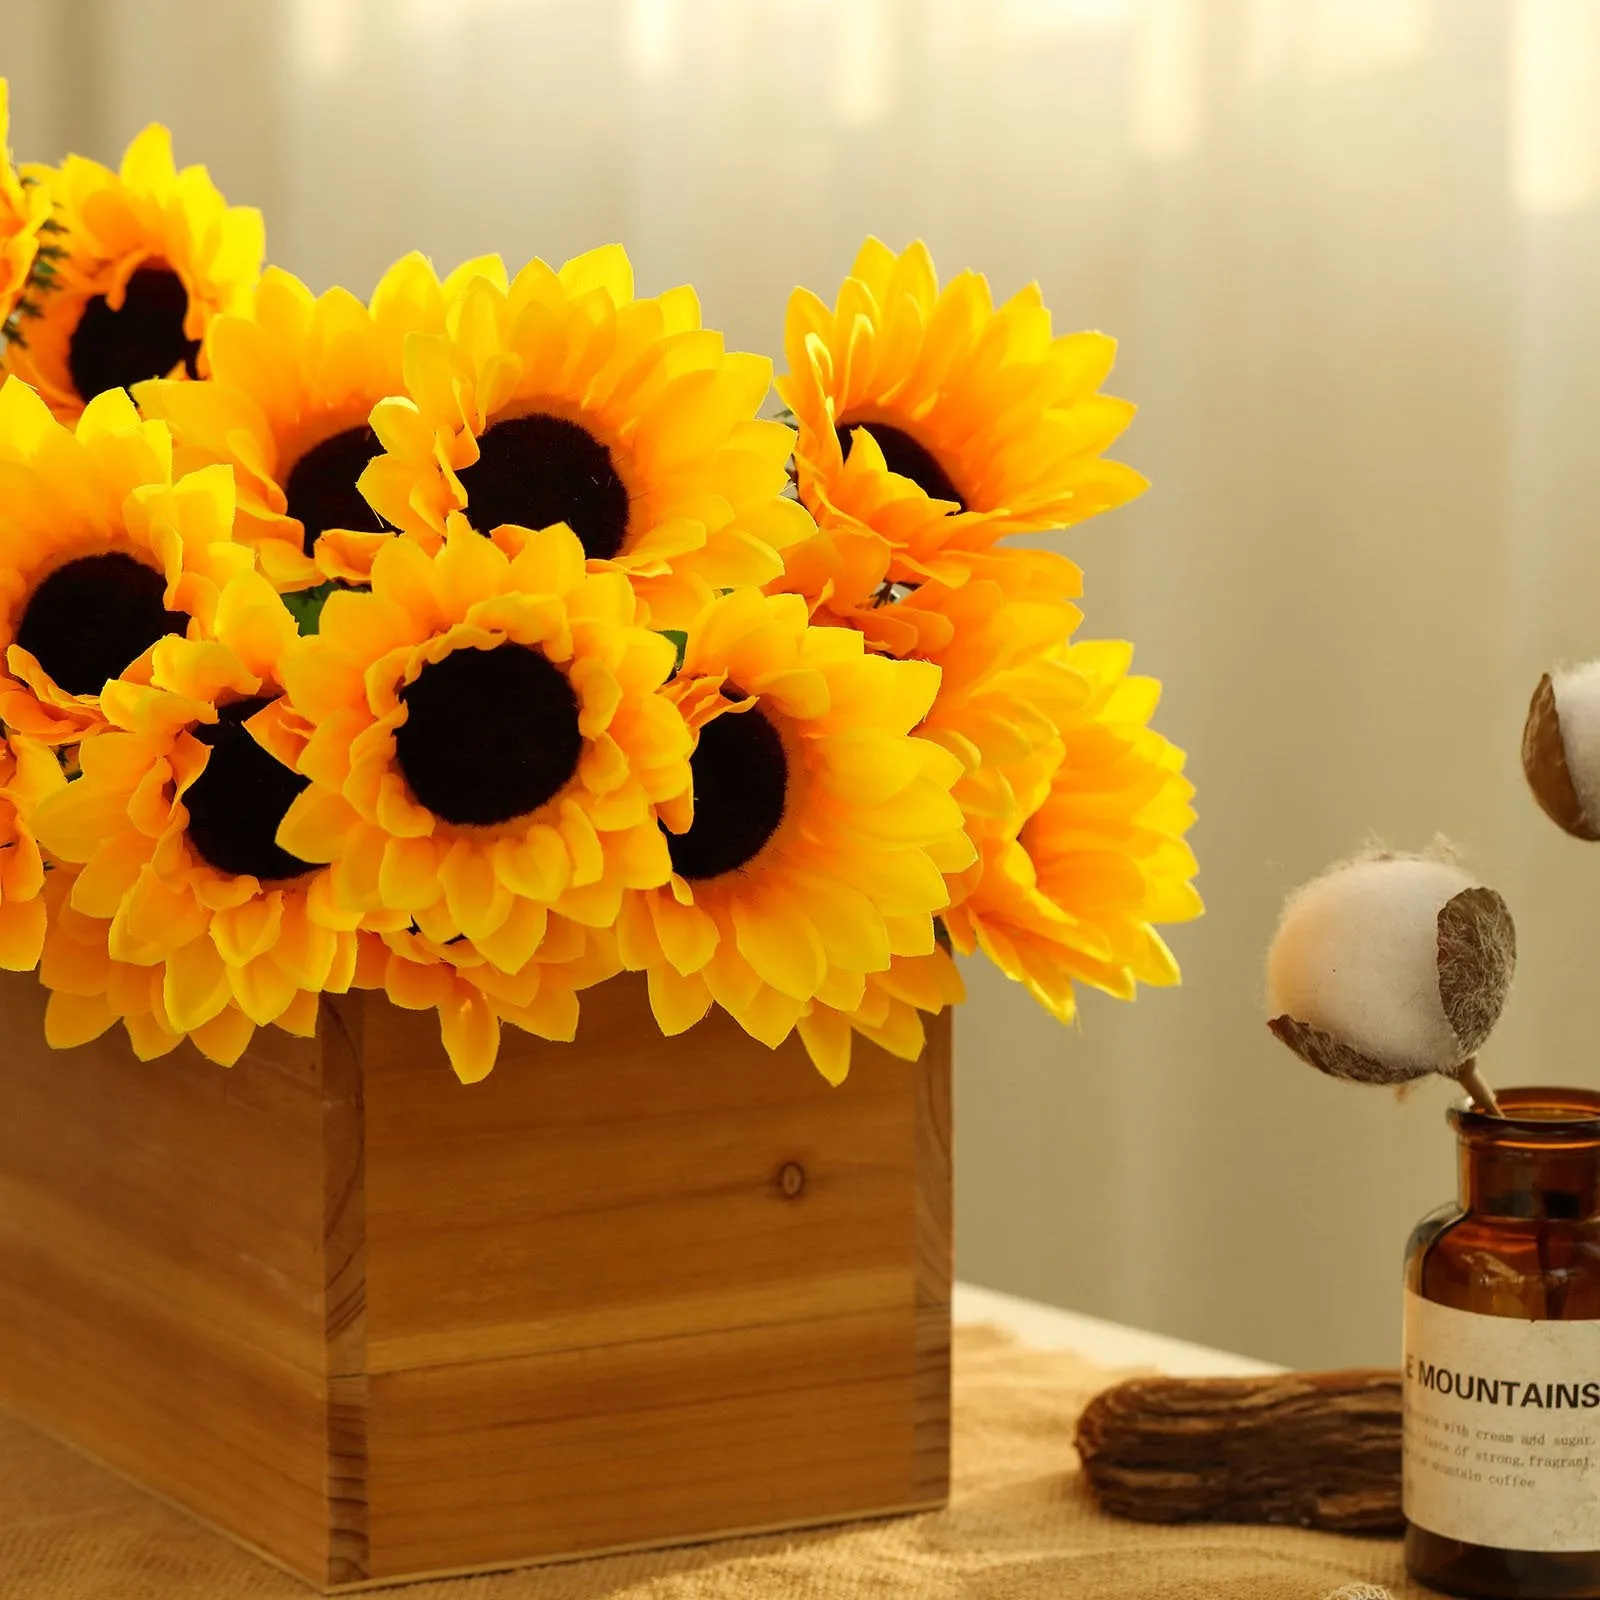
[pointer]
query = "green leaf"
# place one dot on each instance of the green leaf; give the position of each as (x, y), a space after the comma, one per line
(305, 606)
(680, 643)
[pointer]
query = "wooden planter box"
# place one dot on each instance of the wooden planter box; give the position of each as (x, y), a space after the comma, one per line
(376, 1325)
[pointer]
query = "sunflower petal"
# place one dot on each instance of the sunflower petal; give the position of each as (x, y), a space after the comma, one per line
(677, 1001)
(826, 1035)
(471, 1034)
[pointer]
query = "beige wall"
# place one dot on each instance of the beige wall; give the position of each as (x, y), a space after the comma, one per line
(1352, 248)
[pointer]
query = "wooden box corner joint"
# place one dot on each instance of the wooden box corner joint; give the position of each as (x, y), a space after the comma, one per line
(627, 1292)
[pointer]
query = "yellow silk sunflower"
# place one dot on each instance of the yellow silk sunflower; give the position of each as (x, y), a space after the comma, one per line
(1004, 688)
(483, 737)
(293, 384)
(102, 553)
(889, 1014)
(24, 219)
(473, 997)
(90, 991)
(995, 636)
(564, 399)
(844, 568)
(29, 773)
(811, 850)
(998, 423)
(1068, 886)
(148, 256)
(183, 892)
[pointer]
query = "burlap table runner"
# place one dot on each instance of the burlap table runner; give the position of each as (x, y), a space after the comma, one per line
(1020, 1526)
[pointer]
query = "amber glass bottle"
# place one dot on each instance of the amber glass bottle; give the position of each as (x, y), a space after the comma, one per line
(1502, 1358)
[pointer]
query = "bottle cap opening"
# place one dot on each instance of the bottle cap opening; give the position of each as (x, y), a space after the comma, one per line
(1533, 1114)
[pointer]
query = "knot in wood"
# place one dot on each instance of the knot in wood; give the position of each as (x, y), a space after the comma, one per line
(791, 1179)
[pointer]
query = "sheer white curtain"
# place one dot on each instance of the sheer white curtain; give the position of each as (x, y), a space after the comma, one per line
(1352, 249)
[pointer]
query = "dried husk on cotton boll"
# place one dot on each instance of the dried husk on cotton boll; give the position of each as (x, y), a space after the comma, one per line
(1561, 749)
(1390, 967)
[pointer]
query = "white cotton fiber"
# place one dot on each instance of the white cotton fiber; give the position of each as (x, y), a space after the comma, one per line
(1357, 956)
(1578, 706)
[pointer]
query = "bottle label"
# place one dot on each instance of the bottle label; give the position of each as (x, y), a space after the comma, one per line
(1502, 1429)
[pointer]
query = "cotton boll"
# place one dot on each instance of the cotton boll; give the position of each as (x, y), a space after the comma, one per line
(1561, 749)
(1357, 956)
(1389, 968)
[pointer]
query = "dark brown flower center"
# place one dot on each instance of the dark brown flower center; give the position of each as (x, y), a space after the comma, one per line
(321, 489)
(902, 454)
(538, 470)
(236, 804)
(741, 780)
(489, 734)
(93, 618)
(144, 339)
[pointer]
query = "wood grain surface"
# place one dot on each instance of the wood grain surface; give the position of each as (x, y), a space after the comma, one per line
(1308, 1449)
(636, 1289)
(377, 1324)
(161, 1269)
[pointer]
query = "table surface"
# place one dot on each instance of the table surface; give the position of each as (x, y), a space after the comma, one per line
(1108, 1344)
(70, 1531)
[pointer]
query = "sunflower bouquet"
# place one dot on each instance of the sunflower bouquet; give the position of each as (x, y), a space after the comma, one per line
(484, 640)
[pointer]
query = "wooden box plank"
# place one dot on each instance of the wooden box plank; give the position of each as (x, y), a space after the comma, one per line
(161, 1270)
(625, 1292)
(655, 1442)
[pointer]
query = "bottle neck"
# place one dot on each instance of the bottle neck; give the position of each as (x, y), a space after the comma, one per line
(1539, 1162)
(1530, 1184)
